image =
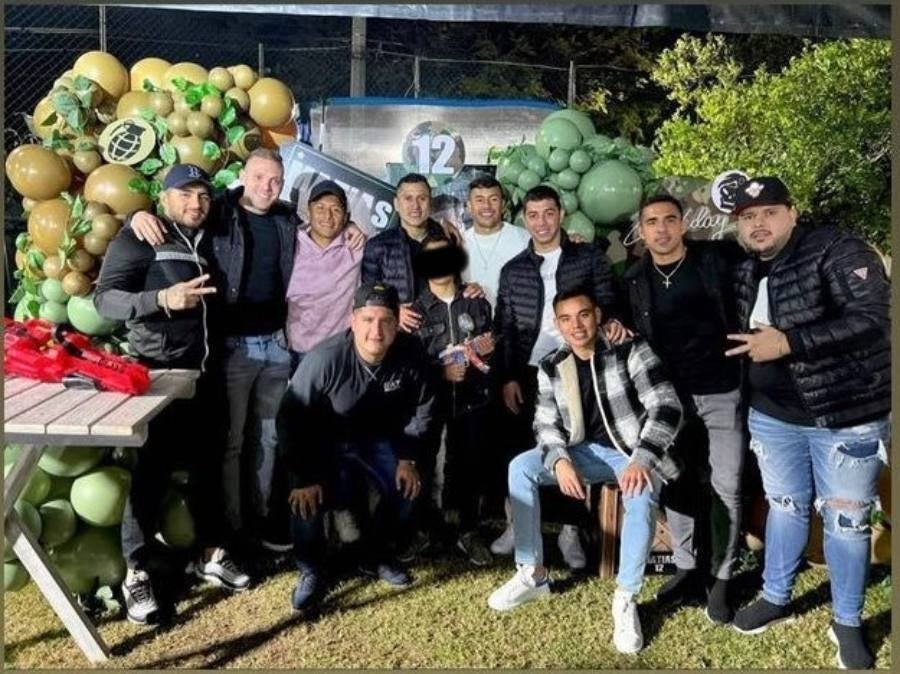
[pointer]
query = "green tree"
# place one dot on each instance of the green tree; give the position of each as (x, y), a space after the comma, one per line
(822, 124)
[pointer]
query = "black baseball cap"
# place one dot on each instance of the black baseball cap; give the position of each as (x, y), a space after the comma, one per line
(186, 174)
(377, 295)
(327, 187)
(762, 191)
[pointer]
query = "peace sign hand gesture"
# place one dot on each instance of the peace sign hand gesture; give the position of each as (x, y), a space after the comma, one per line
(184, 295)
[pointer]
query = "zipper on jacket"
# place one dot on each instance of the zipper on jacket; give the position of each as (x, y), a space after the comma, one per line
(193, 248)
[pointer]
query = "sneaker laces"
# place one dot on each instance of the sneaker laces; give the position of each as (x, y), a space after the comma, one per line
(140, 590)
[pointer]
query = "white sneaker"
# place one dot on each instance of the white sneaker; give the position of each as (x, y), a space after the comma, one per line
(570, 547)
(505, 543)
(518, 590)
(140, 602)
(627, 635)
(221, 570)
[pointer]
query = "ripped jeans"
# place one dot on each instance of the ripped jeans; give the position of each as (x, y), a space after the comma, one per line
(841, 467)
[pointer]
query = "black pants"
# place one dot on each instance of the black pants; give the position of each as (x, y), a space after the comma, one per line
(470, 443)
(189, 434)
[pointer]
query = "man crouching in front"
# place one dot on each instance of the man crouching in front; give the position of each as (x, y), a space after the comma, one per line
(605, 414)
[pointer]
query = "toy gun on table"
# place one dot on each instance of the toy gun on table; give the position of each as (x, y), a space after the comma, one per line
(471, 350)
(35, 349)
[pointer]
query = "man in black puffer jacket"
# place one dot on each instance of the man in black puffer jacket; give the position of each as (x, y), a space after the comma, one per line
(523, 320)
(814, 307)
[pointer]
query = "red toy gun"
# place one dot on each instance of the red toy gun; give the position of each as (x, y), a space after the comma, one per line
(73, 359)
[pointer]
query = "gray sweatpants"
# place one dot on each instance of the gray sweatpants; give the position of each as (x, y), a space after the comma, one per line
(720, 414)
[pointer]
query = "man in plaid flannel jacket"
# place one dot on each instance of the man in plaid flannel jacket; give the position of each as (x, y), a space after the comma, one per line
(604, 414)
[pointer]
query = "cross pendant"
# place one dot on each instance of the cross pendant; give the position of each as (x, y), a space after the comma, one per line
(667, 283)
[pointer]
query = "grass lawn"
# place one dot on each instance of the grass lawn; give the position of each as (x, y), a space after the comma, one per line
(443, 621)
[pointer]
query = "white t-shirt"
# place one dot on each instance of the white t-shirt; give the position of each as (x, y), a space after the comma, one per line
(549, 338)
(488, 254)
(760, 314)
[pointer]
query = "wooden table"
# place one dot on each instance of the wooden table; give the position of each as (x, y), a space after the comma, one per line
(38, 415)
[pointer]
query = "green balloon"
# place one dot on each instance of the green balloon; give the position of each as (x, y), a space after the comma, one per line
(537, 164)
(568, 179)
(15, 577)
(581, 120)
(83, 315)
(578, 223)
(11, 454)
(542, 146)
(511, 171)
(569, 201)
(528, 179)
(580, 161)
(560, 132)
(601, 145)
(610, 192)
(32, 521)
(70, 461)
(37, 487)
(91, 554)
(59, 523)
(55, 312)
(177, 525)
(60, 488)
(99, 497)
(558, 160)
(52, 290)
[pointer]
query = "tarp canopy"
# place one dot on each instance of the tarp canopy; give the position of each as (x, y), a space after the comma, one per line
(821, 21)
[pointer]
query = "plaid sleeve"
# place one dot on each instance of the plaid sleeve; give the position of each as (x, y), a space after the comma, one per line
(658, 397)
(548, 425)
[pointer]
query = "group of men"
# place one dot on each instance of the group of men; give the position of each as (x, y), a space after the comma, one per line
(331, 368)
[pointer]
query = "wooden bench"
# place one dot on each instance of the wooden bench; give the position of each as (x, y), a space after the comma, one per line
(38, 415)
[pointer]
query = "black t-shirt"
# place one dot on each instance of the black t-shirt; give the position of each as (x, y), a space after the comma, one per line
(772, 388)
(594, 430)
(689, 334)
(261, 308)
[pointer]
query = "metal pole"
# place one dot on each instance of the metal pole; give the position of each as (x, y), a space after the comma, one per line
(570, 98)
(416, 81)
(261, 59)
(358, 57)
(102, 27)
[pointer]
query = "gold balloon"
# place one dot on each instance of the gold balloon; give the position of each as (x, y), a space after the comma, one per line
(104, 69)
(47, 224)
(37, 173)
(153, 69)
(249, 141)
(131, 104)
(271, 102)
(190, 151)
(193, 73)
(42, 111)
(109, 185)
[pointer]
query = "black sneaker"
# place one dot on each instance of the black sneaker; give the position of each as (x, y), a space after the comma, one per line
(760, 616)
(140, 602)
(681, 588)
(852, 652)
(390, 574)
(718, 611)
(418, 545)
(308, 591)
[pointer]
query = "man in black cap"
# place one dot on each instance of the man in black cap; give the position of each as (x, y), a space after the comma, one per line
(160, 292)
(359, 405)
(814, 308)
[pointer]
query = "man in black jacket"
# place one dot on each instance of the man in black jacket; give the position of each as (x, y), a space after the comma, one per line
(523, 319)
(388, 257)
(813, 305)
(456, 333)
(160, 294)
(359, 405)
(682, 302)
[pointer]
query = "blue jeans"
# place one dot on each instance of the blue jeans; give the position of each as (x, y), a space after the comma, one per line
(257, 369)
(841, 467)
(594, 463)
(347, 488)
